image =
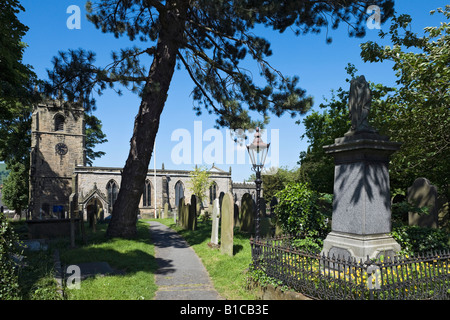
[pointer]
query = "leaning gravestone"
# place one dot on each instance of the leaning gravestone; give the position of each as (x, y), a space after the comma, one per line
(248, 211)
(227, 216)
(215, 222)
(423, 194)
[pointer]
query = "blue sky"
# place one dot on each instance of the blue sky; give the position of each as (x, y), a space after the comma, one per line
(320, 66)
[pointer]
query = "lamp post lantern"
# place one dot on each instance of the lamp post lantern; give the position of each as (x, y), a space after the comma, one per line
(258, 150)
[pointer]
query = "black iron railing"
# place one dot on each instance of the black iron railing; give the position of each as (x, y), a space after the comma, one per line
(422, 276)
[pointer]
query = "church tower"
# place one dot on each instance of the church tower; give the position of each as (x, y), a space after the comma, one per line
(57, 146)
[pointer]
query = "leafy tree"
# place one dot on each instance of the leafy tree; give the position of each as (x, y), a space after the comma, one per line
(94, 136)
(418, 113)
(199, 183)
(9, 283)
(276, 181)
(210, 39)
(18, 93)
(17, 82)
(15, 187)
(16, 78)
(415, 112)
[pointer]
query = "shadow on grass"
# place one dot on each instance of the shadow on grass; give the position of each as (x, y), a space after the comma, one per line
(123, 255)
(237, 248)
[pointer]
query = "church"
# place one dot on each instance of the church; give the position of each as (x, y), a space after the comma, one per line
(59, 175)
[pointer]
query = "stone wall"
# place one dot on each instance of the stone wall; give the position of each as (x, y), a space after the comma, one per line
(90, 177)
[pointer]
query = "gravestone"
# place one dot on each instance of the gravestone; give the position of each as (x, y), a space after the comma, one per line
(266, 227)
(181, 212)
(227, 225)
(166, 211)
(192, 214)
(423, 194)
(248, 212)
(361, 219)
(237, 210)
(273, 204)
(215, 222)
(221, 195)
(185, 215)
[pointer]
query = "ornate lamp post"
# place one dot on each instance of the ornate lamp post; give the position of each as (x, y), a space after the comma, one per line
(258, 152)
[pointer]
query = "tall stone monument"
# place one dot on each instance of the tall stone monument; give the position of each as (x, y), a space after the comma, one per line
(361, 221)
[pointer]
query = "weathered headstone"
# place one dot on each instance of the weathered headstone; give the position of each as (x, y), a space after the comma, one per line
(237, 210)
(181, 212)
(215, 222)
(266, 227)
(227, 225)
(192, 214)
(248, 212)
(166, 211)
(423, 194)
(186, 210)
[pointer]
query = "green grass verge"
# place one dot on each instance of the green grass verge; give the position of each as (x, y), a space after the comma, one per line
(134, 257)
(37, 279)
(229, 274)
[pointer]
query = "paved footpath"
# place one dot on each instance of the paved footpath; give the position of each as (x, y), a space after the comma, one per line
(181, 274)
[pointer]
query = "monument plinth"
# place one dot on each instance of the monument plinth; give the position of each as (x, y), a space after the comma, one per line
(361, 221)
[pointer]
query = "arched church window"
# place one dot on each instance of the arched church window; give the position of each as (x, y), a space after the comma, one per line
(59, 122)
(179, 192)
(147, 195)
(112, 189)
(212, 192)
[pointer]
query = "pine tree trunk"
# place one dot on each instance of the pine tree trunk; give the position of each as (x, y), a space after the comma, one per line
(125, 209)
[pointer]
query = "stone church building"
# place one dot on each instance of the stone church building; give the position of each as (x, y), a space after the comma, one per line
(58, 171)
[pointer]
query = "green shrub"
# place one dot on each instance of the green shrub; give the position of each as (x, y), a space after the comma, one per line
(300, 213)
(415, 239)
(9, 285)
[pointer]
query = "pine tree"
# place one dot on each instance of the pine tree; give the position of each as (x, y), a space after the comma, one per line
(210, 39)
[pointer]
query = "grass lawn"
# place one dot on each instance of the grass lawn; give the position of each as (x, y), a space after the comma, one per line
(134, 257)
(137, 261)
(227, 273)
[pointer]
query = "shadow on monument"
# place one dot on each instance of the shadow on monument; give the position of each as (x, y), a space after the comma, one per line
(368, 181)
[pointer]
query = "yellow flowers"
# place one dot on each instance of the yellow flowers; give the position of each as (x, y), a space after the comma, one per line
(404, 274)
(406, 277)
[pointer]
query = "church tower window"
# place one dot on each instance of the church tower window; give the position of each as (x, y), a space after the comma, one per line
(59, 122)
